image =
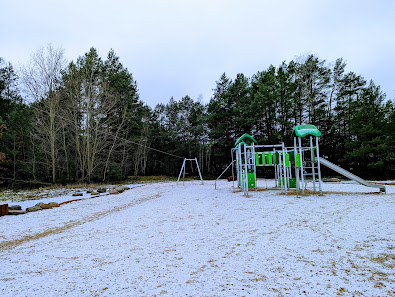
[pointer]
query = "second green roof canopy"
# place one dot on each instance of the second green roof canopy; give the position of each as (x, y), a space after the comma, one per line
(305, 130)
(249, 137)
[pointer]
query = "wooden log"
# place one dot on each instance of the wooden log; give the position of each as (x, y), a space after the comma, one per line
(3, 209)
(16, 212)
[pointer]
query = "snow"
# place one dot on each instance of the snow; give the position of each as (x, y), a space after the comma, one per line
(57, 195)
(193, 240)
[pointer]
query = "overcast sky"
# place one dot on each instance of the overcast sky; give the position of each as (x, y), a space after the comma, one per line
(180, 47)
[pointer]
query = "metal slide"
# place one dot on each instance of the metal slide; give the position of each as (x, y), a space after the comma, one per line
(350, 175)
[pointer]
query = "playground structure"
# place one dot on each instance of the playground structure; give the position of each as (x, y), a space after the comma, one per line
(293, 166)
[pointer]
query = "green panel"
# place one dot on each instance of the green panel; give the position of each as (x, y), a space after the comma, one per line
(269, 159)
(251, 180)
(298, 160)
(263, 158)
(290, 184)
(305, 130)
(287, 160)
(292, 156)
(256, 158)
(313, 154)
(276, 158)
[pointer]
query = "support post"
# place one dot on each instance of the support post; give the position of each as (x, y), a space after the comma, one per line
(318, 165)
(301, 162)
(296, 168)
(233, 172)
(312, 161)
(197, 164)
(182, 168)
(285, 180)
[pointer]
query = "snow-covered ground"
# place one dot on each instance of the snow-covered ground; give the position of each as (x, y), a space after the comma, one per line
(168, 240)
(51, 195)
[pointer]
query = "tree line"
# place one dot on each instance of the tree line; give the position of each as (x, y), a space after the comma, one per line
(85, 121)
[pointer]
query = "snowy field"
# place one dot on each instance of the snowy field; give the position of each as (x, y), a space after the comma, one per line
(168, 240)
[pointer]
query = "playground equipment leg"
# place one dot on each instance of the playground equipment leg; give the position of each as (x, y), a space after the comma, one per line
(296, 168)
(318, 166)
(200, 175)
(285, 180)
(301, 165)
(233, 172)
(312, 161)
(182, 169)
(245, 172)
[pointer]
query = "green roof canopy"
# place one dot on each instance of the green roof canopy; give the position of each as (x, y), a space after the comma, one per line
(305, 130)
(249, 137)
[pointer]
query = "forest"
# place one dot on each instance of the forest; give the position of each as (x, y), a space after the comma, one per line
(83, 121)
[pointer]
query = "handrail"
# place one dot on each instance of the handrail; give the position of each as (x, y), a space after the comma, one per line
(215, 183)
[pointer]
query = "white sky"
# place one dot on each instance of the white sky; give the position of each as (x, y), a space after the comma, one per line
(180, 47)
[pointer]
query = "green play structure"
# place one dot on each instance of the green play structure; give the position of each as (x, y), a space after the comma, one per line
(294, 167)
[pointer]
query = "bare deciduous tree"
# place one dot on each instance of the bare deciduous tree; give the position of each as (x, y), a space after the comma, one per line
(41, 78)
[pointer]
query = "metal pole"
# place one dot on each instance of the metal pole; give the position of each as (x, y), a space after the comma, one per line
(183, 175)
(254, 163)
(285, 171)
(182, 167)
(277, 169)
(301, 162)
(245, 170)
(312, 161)
(296, 168)
(239, 166)
(318, 166)
(197, 164)
(233, 172)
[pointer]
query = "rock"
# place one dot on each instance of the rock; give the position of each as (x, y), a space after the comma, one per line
(53, 204)
(125, 188)
(14, 207)
(335, 180)
(89, 191)
(33, 208)
(95, 193)
(119, 189)
(45, 206)
(101, 190)
(77, 194)
(114, 192)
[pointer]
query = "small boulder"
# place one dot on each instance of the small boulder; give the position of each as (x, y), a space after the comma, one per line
(125, 188)
(53, 204)
(33, 208)
(335, 180)
(95, 193)
(119, 189)
(77, 194)
(15, 207)
(45, 206)
(101, 190)
(89, 191)
(114, 192)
